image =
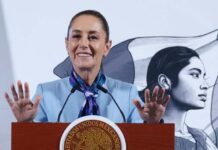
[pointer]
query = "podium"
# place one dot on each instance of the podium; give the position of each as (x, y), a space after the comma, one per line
(46, 136)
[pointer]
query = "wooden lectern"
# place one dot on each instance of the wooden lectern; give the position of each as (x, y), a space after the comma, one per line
(46, 136)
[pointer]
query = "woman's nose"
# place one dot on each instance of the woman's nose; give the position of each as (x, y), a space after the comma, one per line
(204, 85)
(84, 42)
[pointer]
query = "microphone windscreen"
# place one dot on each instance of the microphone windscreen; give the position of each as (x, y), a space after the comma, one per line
(76, 86)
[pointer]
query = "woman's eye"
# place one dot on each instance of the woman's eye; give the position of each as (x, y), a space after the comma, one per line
(195, 75)
(76, 36)
(93, 38)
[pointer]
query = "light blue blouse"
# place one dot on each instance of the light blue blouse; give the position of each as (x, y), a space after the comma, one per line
(53, 95)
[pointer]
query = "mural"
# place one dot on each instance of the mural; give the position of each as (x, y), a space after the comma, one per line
(140, 50)
(136, 54)
(182, 73)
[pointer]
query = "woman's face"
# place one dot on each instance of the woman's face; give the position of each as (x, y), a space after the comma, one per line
(87, 43)
(191, 90)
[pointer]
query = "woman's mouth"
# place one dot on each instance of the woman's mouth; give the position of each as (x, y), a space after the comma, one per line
(84, 54)
(203, 97)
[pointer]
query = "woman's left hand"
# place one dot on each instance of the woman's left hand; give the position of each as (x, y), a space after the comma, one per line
(155, 105)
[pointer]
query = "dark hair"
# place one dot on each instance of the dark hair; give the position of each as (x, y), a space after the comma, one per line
(95, 14)
(168, 61)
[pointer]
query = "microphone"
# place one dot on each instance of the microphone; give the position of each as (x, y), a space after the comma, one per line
(107, 92)
(71, 92)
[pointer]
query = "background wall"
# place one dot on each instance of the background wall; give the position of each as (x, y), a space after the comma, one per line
(32, 37)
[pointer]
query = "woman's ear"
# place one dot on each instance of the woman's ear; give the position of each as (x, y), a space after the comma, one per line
(164, 81)
(107, 48)
(66, 44)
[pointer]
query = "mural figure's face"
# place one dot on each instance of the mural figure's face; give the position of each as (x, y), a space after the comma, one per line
(191, 90)
(87, 43)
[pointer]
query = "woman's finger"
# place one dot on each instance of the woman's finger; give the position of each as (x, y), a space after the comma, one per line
(20, 89)
(155, 93)
(14, 92)
(160, 98)
(138, 105)
(163, 93)
(147, 96)
(26, 90)
(36, 103)
(9, 100)
(166, 101)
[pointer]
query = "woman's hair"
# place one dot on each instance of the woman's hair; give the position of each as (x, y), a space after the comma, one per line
(95, 14)
(168, 61)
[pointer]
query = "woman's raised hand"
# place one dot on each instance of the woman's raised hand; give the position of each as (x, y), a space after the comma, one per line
(22, 107)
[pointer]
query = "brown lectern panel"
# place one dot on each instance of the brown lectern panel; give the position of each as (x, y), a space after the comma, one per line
(46, 136)
(148, 136)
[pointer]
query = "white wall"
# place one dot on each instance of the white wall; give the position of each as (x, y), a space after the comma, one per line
(32, 35)
(6, 77)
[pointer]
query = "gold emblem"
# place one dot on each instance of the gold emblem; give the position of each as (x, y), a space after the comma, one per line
(92, 135)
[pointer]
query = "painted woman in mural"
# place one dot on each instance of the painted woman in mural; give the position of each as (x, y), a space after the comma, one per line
(182, 73)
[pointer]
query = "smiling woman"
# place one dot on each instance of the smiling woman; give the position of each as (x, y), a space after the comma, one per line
(87, 42)
(181, 72)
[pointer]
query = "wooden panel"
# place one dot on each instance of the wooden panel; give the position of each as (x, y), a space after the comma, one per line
(149, 136)
(46, 136)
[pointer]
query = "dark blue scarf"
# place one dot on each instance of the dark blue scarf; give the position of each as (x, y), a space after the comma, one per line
(90, 107)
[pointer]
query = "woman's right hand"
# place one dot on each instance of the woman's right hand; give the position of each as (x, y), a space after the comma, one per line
(22, 107)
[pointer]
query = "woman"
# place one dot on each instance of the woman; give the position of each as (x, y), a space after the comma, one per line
(181, 72)
(87, 42)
